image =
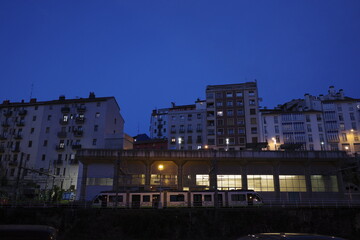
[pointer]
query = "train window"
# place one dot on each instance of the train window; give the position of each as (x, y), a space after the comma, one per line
(177, 198)
(207, 198)
(146, 198)
(238, 198)
(113, 198)
(97, 200)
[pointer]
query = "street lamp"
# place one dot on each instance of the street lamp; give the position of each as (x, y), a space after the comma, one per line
(227, 144)
(179, 141)
(274, 140)
(322, 146)
(160, 168)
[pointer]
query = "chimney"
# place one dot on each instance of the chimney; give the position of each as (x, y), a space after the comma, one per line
(62, 97)
(332, 90)
(91, 95)
(341, 92)
(33, 100)
(5, 102)
(173, 104)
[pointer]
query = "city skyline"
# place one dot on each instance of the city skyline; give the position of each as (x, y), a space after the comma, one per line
(148, 55)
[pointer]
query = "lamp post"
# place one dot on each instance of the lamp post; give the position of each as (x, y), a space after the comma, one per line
(227, 144)
(322, 146)
(179, 141)
(274, 140)
(160, 168)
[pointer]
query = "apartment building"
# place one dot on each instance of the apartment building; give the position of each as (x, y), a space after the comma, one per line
(158, 123)
(186, 126)
(324, 122)
(39, 139)
(232, 116)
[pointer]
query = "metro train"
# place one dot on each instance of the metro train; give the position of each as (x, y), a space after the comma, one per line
(168, 199)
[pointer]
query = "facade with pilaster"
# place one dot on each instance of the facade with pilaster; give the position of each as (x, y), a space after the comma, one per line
(275, 174)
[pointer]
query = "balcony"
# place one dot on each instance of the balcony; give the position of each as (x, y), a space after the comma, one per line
(60, 147)
(62, 134)
(58, 162)
(5, 124)
(18, 136)
(81, 109)
(15, 149)
(7, 113)
(79, 120)
(65, 109)
(13, 163)
(63, 122)
(22, 112)
(20, 123)
(76, 146)
(74, 161)
(78, 133)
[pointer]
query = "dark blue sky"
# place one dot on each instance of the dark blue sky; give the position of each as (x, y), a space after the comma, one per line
(150, 53)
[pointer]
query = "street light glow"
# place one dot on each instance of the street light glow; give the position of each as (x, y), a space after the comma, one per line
(161, 167)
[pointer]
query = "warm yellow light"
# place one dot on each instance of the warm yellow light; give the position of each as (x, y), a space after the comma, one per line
(347, 148)
(161, 167)
(206, 146)
(352, 130)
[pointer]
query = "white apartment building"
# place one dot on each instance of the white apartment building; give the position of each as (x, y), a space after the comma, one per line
(39, 140)
(327, 122)
(186, 125)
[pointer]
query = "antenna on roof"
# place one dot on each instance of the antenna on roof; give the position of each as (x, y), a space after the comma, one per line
(31, 90)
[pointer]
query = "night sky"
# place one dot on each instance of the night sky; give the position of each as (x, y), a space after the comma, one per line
(150, 53)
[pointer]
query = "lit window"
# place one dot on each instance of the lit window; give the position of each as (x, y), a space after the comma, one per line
(229, 182)
(292, 183)
(220, 113)
(261, 183)
(320, 183)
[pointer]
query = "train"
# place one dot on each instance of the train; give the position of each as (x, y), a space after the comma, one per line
(178, 199)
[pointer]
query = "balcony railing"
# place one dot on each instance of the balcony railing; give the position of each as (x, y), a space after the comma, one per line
(58, 162)
(20, 123)
(62, 134)
(13, 163)
(81, 109)
(63, 122)
(65, 109)
(16, 149)
(7, 113)
(5, 124)
(18, 136)
(22, 112)
(60, 147)
(78, 133)
(80, 120)
(76, 146)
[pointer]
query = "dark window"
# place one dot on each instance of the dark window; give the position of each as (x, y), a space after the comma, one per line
(177, 198)
(146, 198)
(207, 198)
(238, 197)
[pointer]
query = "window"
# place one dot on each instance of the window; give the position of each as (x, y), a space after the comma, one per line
(36, 107)
(240, 112)
(230, 121)
(308, 127)
(173, 140)
(276, 129)
(261, 183)
(320, 128)
(252, 111)
(207, 198)
(94, 142)
(341, 117)
(276, 119)
(32, 130)
(229, 94)
(43, 157)
(352, 116)
(220, 122)
(47, 130)
(218, 95)
(231, 131)
(240, 121)
(229, 182)
(310, 138)
(45, 143)
(239, 103)
(189, 118)
(320, 183)
(49, 117)
(230, 113)
(253, 130)
(239, 94)
(307, 118)
(198, 116)
(146, 198)
(220, 113)
(292, 183)
(219, 104)
(241, 130)
(344, 137)
(177, 198)
(220, 141)
(253, 120)
(30, 144)
(251, 102)
(96, 127)
(238, 197)
(97, 115)
(202, 180)
(251, 94)
(229, 103)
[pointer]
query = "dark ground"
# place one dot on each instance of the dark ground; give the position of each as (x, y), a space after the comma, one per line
(187, 223)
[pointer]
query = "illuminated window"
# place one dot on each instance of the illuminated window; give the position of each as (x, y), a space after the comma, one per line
(261, 183)
(292, 183)
(220, 113)
(320, 183)
(202, 180)
(229, 182)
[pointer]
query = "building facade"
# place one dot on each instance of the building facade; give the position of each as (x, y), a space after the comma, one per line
(277, 175)
(324, 122)
(39, 140)
(232, 116)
